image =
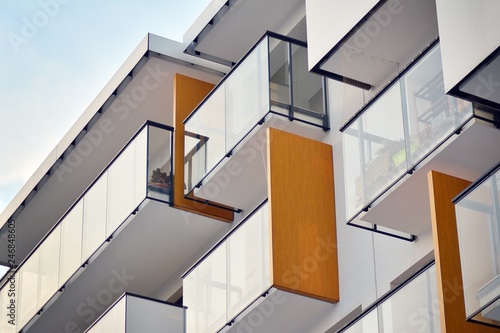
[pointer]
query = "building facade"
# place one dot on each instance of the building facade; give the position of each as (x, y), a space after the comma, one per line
(291, 166)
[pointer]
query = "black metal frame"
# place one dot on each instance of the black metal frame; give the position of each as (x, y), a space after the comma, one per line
(77, 201)
(409, 169)
(292, 109)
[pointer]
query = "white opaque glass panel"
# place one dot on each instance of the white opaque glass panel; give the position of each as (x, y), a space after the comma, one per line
(71, 243)
(205, 292)
(125, 178)
(49, 266)
(113, 320)
(247, 95)
(94, 217)
(249, 262)
(28, 287)
(353, 177)
(8, 307)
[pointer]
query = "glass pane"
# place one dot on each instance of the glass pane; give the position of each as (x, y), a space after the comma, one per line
(279, 69)
(247, 95)
(9, 306)
(159, 164)
(28, 289)
(49, 266)
(126, 182)
(414, 308)
(368, 324)
(307, 89)
(207, 126)
(429, 110)
(146, 316)
(354, 182)
(479, 238)
(249, 262)
(113, 320)
(376, 142)
(71, 243)
(94, 223)
(205, 293)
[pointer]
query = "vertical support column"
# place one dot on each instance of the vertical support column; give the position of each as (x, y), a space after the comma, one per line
(188, 93)
(442, 189)
(302, 215)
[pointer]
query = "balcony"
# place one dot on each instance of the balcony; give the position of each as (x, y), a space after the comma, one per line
(478, 224)
(410, 127)
(238, 281)
(270, 87)
(140, 171)
(137, 314)
(412, 307)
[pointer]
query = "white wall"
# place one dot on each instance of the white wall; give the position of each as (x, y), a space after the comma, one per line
(468, 33)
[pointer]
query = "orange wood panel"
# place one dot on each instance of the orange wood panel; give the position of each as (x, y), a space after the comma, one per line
(188, 93)
(442, 189)
(302, 215)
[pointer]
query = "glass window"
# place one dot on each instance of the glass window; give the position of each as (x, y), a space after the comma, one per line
(71, 243)
(49, 266)
(159, 164)
(94, 223)
(28, 289)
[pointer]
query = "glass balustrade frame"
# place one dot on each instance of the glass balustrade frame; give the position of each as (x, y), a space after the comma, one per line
(375, 306)
(463, 201)
(230, 313)
(405, 161)
(127, 295)
(145, 130)
(293, 111)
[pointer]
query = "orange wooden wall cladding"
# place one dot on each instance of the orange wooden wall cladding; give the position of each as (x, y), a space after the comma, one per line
(302, 213)
(442, 189)
(188, 93)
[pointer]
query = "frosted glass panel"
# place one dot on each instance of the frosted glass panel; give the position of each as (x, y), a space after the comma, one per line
(369, 324)
(205, 292)
(49, 266)
(112, 321)
(126, 182)
(94, 223)
(28, 287)
(249, 262)
(247, 95)
(71, 243)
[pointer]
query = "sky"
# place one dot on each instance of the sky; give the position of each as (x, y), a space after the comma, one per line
(55, 57)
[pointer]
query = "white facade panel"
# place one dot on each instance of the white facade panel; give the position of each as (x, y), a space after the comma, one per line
(468, 33)
(328, 21)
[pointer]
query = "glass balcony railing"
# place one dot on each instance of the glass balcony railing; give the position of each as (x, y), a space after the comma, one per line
(478, 225)
(90, 222)
(230, 277)
(412, 307)
(137, 314)
(398, 130)
(272, 78)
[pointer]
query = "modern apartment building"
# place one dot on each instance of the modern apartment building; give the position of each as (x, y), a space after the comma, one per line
(291, 166)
